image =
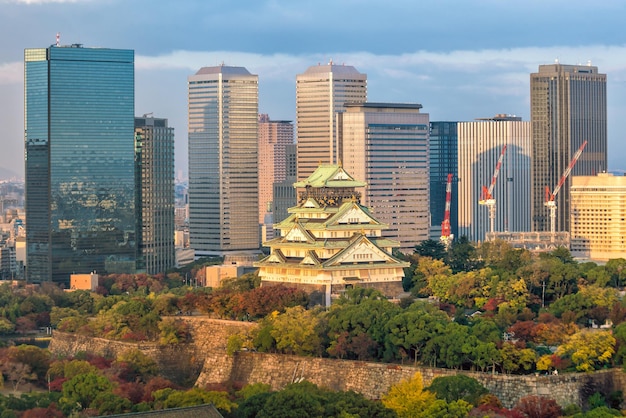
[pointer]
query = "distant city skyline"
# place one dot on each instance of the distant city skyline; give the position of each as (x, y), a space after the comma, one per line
(460, 60)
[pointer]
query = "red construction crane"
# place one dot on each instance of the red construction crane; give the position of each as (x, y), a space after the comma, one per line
(446, 235)
(488, 199)
(550, 203)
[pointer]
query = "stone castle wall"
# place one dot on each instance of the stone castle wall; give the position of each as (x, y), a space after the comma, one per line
(205, 361)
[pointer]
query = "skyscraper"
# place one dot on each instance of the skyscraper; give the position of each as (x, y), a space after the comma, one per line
(274, 136)
(284, 194)
(567, 107)
(223, 188)
(480, 145)
(386, 145)
(79, 161)
(597, 218)
(154, 152)
(321, 92)
(443, 159)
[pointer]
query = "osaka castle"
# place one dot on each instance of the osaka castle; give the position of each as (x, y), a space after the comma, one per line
(330, 242)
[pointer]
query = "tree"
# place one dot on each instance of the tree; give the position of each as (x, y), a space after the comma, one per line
(138, 365)
(616, 268)
(357, 330)
(196, 396)
(17, 373)
(299, 400)
(409, 400)
(410, 331)
(538, 407)
(516, 359)
(454, 388)
(81, 390)
(431, 248)
(462, 256)
(6, 326)
(589, 349)
(295, 331)
(38, 359)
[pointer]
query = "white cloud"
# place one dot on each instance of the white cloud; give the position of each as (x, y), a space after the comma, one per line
(609, 59)
(11, 73)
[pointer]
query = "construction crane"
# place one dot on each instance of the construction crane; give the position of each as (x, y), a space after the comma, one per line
(550, 203)
(446, 235)
(488, 199)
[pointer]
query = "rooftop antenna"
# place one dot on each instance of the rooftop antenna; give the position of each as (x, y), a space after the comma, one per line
(58, 39)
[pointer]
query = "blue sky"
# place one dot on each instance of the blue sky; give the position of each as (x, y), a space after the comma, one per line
(460, 59)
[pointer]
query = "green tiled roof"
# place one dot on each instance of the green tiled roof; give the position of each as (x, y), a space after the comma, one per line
(330, 175)
(198, 411)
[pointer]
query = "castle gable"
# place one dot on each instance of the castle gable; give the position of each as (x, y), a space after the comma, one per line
(298, 234)
(311, 259)
(275, 257)
(311, 204)
(352, 213)
(361, 250)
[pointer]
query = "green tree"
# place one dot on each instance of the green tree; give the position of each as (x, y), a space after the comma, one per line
(410, 331)
(517, 359)
(139, 365)
(616, 268)
(108, 403)
(6, 326)
(296, 331)
(431, 248)
(357, 330)
(454, 388)
(195, 396)
(81, 390)
(462, 256)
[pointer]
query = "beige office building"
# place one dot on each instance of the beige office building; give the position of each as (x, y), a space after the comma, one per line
(386, 145)
(568, 106)
(223, 188)
(274, 136)
(321, 92)
(598, 214)
(480, 145)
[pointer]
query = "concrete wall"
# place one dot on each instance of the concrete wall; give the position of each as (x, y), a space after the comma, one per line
(204, 361)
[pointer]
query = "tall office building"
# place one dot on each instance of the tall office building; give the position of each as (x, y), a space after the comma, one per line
(567, 107)
(284, 194)
(386, 145)
(479, 148)
(443, 160)
(79, 161)
(154, 170)
(321, 92)
(598, 206)
(274, 136)
(223, 157)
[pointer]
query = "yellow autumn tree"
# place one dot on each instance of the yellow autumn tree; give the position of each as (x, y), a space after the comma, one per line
(588, 349)
(409, 399)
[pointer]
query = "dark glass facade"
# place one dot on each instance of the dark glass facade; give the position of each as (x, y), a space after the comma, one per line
(568, 106)
(443, 161)
(154, 171)
(79, 155)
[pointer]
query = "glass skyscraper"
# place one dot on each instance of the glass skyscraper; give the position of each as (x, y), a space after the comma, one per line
(154, 158)
(443, 159)
(567, 108)
(79, 156)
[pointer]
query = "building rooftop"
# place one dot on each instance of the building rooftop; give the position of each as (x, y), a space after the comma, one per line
(330, 175)
(223, 69)
(332, 68)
